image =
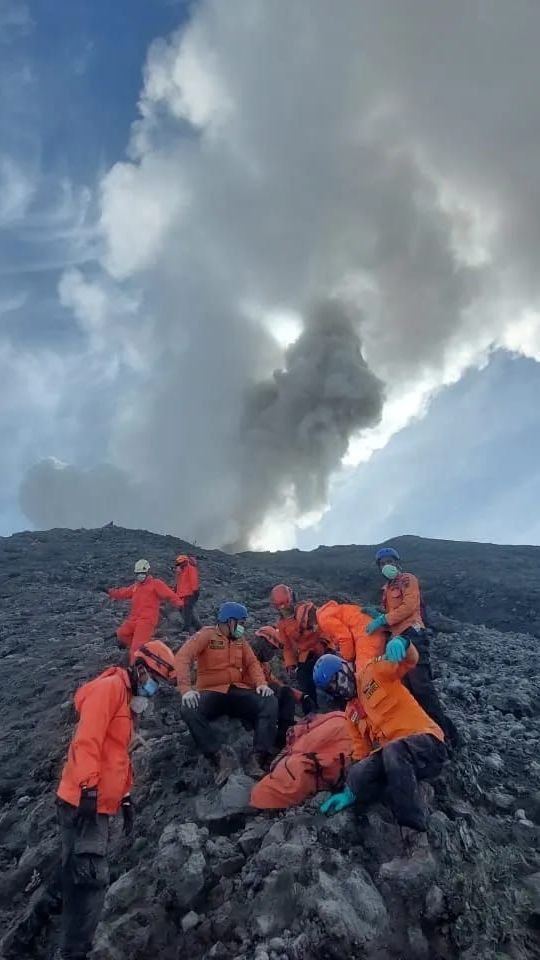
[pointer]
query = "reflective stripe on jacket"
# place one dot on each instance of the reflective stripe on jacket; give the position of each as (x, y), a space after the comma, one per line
(221, 662)
(384, 709)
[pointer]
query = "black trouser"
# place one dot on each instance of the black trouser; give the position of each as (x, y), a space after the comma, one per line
(85, 878)
(397, 768)
(238, 702)
(304, 677)
(191, 620)
(419, 682)
(286, 708)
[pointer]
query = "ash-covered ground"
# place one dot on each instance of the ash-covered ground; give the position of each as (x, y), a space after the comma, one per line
(204, 877)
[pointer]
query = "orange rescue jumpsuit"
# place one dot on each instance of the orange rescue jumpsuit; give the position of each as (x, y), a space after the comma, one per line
(143, 618)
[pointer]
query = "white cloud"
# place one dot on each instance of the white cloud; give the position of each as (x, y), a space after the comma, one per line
(139, 205)
(107, 317)
(17, 190)
(186, 78)
(284, 157)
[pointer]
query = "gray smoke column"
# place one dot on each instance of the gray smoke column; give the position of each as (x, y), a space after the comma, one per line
(282, 154)
(297, 425)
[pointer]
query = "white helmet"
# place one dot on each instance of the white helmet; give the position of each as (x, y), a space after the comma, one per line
(142, 566)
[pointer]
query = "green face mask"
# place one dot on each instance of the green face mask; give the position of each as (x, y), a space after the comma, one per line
(389, 571)
(239, 631)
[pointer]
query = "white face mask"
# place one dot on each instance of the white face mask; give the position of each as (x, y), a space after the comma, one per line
(139, 705)
(141, 577)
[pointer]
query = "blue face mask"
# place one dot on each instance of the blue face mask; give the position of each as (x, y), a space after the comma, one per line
(148, 688)
(239, 631)
(389, 571)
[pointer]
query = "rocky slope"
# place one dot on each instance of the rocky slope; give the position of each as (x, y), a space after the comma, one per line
(205, 877)
(481, 583)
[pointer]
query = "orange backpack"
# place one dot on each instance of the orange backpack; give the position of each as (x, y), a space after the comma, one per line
(316, 757)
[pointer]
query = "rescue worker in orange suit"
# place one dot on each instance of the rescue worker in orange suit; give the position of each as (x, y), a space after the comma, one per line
(402, 615)
(299, 636)
(230, 682)
(395, 742)
(146, 595)
(187, 589)
(265, 646)
(95, 785)
(343, 626)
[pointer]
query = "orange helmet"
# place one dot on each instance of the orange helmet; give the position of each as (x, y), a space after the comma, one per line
(271, 635)
(306, 616)
(158, 658)
(181, 559)
(282, 596)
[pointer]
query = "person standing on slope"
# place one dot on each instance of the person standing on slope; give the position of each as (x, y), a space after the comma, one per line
(395, 742)
(403, 615)
(299, 636)
(95, 785)
(146, 595)
(230, 682)
(187, 589)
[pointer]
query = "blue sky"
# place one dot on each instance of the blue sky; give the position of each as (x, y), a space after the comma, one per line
(172, 209)
(70, 78)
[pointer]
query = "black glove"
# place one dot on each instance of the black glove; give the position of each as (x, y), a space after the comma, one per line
(88, 805)
(102, 589)
(128, 813)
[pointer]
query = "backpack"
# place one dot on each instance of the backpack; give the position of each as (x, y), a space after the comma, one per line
(316, 756)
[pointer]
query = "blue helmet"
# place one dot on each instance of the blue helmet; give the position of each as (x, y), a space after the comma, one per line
(325, 669)
(232, 611)
(385, 554)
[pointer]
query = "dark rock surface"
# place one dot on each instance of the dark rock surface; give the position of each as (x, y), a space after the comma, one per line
(205, 877)
(480, 583)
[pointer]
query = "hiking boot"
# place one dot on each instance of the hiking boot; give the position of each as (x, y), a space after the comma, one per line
(255, 766)
(226, 764)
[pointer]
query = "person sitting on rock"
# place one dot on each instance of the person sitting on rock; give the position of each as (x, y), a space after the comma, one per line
(146, 595)
(395, 742)
(230, 682)
(299, 636)
(95, 785)
(187, 588)
(265, 646)
(402, 615)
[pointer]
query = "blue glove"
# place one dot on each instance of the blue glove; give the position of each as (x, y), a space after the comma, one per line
(372, 611)
(379, 621)
(396, 650)
(339, 801)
